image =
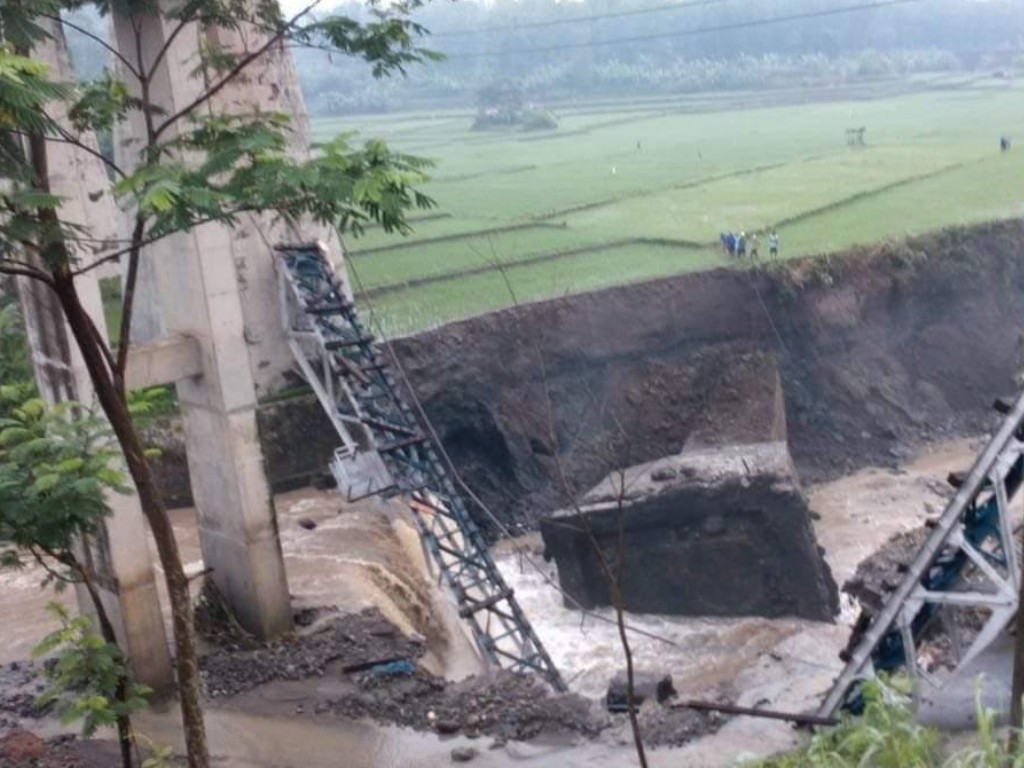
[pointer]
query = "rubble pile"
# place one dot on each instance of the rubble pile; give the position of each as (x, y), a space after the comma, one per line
(506, 706)
(351, 641)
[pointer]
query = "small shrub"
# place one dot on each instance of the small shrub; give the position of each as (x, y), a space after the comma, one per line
(86, 676)
(538, 120)
(989, 751)
(885, 736)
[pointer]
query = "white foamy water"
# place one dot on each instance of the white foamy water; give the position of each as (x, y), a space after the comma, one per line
(788, 663)
(704, 655)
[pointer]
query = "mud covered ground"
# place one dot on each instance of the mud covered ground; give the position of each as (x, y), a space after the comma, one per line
(23, 749)
(879, 350)
(359, 666)
(353, 667)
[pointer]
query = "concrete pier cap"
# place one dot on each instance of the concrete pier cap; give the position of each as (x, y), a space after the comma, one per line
(718, 531)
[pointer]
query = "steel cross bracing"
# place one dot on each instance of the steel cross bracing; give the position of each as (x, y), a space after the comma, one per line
(353, 382)
(968, 561)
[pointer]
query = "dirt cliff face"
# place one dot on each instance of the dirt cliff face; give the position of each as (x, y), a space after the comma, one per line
(878, 350)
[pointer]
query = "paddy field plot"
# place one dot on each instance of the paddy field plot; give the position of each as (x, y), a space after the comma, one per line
(640, 190)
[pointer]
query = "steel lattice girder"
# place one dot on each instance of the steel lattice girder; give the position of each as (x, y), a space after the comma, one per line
(353, 382)
(973, 534)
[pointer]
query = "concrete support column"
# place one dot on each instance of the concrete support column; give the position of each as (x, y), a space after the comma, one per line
(119, 555)
(205, 288)
(237, 521)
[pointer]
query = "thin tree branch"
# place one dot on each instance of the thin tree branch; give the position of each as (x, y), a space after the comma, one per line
(6, 268)
(66, 137)
(156, 238)
(54, 574)
(128, 302)
(165, 48)
(235, 71)
(95, 38)
(103, 345)
(73, 140)
(19, 263)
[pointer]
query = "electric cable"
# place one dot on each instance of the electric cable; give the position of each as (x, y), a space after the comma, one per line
(728, 27)
(578, 19)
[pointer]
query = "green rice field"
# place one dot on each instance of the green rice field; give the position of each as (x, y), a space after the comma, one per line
(639, 190)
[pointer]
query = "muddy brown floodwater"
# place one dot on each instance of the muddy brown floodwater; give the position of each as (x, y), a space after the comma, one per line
(368, 556)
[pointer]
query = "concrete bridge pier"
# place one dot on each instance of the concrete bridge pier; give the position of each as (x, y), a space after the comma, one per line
(237, 523)
(216, 286)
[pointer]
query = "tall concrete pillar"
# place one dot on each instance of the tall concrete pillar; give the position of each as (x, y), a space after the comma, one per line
(119, 555)
(212, 285)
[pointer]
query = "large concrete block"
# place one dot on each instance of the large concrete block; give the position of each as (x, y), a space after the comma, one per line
(715, 532)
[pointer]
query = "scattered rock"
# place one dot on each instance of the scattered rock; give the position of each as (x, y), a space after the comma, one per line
(447, 727)
(870, 583)
(22, 682)
(670, 727)
(646, 686)
(540, 447)
(504, 705)
(324, 481)
(21, 746)
(663, 474)
(349, 640)
(463, 754)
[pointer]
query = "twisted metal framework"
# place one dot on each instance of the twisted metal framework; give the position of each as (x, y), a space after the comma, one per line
(969, 561)
(386, 450)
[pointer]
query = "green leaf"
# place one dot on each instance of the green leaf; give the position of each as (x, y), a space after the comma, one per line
(70, 465)
(45, 483)
(109, 476)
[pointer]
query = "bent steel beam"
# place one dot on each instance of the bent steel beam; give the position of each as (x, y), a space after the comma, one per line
(385, 448)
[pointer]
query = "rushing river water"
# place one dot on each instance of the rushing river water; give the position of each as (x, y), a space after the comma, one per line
(369, 556)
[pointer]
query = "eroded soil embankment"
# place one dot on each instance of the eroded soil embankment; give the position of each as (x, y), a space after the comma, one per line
(879, 349)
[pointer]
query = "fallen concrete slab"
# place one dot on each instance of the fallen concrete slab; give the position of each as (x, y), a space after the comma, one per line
(714, 532)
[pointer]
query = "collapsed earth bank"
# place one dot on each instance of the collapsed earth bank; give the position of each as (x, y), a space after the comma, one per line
(878, 349)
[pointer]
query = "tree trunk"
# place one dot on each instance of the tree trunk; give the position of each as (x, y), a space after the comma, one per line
(634, 720)
(116, 410)
(56, 257)
(124, 725)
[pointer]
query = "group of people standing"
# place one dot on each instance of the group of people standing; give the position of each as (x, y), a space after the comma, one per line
(738, 245)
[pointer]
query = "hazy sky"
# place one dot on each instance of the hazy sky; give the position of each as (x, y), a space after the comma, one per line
(291, 7)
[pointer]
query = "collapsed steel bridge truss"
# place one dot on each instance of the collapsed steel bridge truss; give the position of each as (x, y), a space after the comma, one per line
(968, 562)
(386, 449)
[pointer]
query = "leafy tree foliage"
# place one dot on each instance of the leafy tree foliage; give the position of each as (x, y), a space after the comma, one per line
(55, 465)
(15, 367)
(86, 675)
(194, 166)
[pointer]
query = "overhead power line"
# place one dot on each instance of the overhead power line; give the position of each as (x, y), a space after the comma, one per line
(731, 26)
(577, 19)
